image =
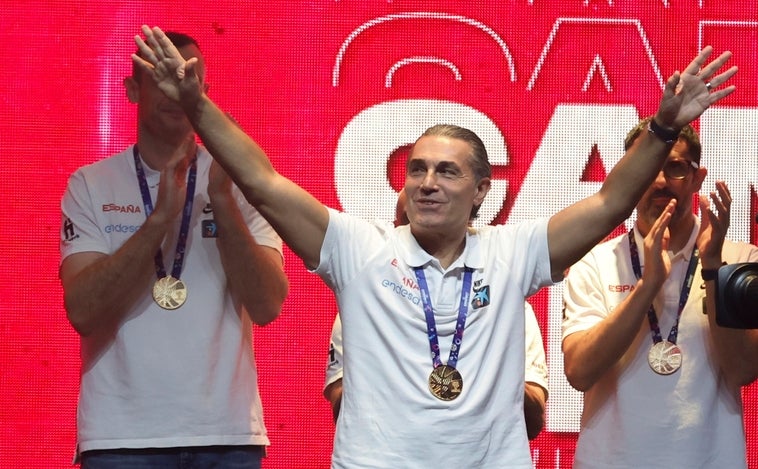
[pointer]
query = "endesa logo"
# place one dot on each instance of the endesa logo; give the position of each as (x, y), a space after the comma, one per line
(122, 208)
(401, 290)
(121, 228)
(620, 288)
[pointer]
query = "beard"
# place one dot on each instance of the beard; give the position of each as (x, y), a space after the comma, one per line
(653, 204)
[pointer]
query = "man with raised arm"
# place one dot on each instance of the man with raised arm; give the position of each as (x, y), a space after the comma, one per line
(661, 379)
(165, 267)
(418, 391)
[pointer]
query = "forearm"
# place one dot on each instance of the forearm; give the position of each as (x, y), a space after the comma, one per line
(242, 159)
(254, 272)
(99, 290)
(575, 230)
(589, 354)
(632, 176)
(333, 394)
(534, 409)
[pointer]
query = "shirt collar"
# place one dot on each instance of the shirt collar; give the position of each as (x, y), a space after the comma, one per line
(414, 255)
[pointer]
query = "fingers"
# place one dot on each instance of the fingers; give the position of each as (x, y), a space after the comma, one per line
(671, 85)
(721, 78)
(709, 70)
(697, 64)
(708, 73)
(721, 94)
(724, 192)
(156, 46)
(722, 202)
(659, 229)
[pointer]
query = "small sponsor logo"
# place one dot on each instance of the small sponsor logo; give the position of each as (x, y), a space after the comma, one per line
(122, 208)
(332, 355)
(401, 290)
(621, 288)
(120, 228)
(69, 234)
(481, 297)
(210, 229)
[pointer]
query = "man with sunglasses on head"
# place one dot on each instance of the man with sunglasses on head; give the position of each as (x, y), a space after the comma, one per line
(661, 380)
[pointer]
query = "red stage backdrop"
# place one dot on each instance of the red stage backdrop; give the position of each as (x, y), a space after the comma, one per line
(335, 90)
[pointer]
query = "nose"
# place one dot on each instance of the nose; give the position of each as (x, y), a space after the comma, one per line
(660, 179)
(430, 180)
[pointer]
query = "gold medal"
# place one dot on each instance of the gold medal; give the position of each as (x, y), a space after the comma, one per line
(445, 383)
(169, 292)
(664, 357)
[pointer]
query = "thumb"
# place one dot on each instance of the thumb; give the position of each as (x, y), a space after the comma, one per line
(188, 69)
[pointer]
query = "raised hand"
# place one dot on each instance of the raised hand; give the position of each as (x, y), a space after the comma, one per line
(689, 93)
(172, 189)
(656, 244)
(162, 61)
(713, 225)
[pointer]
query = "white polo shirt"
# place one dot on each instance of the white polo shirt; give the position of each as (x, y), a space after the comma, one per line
(185, 377)
(389, 418)
(633, 417)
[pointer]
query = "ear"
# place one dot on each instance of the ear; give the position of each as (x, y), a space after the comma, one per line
(698, 178)
(482, 188)
(132, 89)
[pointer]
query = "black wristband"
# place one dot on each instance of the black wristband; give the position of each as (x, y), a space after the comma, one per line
(710, 274)
(668, 136)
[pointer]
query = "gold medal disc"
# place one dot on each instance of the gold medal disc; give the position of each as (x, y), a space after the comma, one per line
(445, 383)
(169, 292)
(664, 357)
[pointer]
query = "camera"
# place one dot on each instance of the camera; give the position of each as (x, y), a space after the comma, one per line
(737, 296)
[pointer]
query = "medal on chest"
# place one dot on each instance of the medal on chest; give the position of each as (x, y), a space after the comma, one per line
(169, 292)
(445, 381)
(665, 356)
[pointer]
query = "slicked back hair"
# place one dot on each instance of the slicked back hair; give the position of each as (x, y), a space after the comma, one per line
(480, 162)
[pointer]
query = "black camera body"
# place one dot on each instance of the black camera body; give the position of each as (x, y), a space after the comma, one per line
(737, 296)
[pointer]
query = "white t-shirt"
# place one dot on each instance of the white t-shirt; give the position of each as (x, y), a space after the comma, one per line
(536, 366)
(633, 417)
(388, 416)
(177, 378)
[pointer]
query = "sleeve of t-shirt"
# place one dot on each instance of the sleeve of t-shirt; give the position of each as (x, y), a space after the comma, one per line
(348, 244)
(80, 231)
(583, 304)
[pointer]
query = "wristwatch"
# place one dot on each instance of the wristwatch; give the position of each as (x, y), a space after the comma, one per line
(668, 136)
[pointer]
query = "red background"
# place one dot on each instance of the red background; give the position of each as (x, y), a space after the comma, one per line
(271, 65)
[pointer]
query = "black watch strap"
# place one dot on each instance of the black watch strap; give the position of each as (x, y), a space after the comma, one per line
(668, 136)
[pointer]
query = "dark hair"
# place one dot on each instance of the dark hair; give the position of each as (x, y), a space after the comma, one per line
(688, 135)
(178, 39)
(480, 162)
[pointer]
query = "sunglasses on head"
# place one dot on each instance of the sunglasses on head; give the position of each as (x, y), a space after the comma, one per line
(678, 169)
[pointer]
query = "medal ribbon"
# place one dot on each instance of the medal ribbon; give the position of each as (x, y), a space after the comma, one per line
(431, 326)
(652, 318)
(181, 243)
